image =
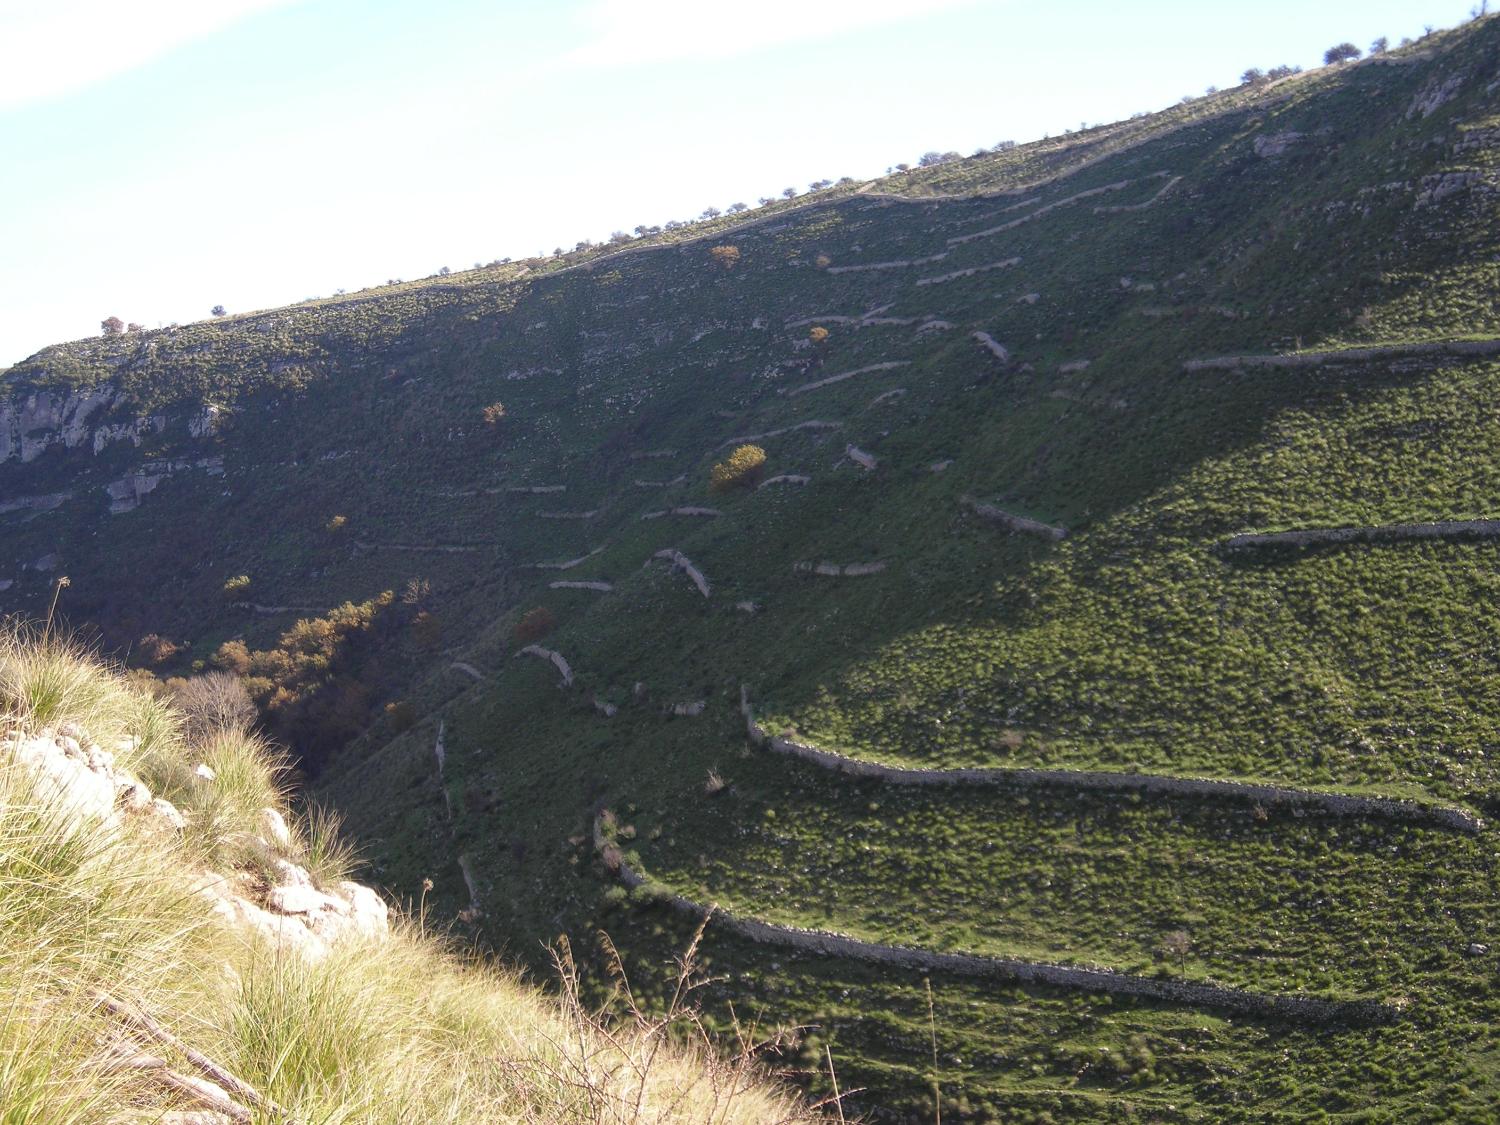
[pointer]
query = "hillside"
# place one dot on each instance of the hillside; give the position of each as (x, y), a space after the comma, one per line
(178, 946)
(1101, 645)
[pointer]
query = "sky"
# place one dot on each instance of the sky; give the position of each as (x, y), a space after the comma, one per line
(160, 157)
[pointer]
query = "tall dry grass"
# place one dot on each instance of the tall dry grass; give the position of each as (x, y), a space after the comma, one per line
(397, 1031)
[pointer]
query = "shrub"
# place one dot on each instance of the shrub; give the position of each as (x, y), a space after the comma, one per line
(534, 625)
(212, 702)
(741, 469)
(112, 326)
(153, 649)
(818, 334)
(237, 587)
(1340, 52)
(726, 256)
(493, 413)
(336, 524)
(233, 656)
(401, 714)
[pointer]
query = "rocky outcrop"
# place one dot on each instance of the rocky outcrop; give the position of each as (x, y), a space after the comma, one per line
(785, 478)
(888, 365)
(126, 493)
(1379, 533)
(1269, 145)
(80, 782)
(689, 710)
(1326, 803)
(555, 658)
(467, 669)
(681, 562)
(43, 503)
(564, 584)
(1074, 366)
(1437, 349)
(1293, 1007)
(864, 460)
(1013, 522)
(1436, 94)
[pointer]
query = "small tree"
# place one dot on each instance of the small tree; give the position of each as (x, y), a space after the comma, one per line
(1380, 46)
(818, 335)
(741, 469)
(726, 256)
(1253, 76)
(710, 213)
(217, 310)
(112, 326)
(1339, 53)
(336, 524)
(134, 327)
(789, 193)
(237, 587)
(1178, 943)
(493, 413)
(736, 208)
(444, 271)
(534, 625)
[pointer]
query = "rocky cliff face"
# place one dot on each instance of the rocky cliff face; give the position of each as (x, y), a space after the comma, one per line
(96, 419)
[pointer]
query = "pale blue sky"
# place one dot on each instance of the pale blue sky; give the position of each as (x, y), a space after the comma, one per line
(164, 156)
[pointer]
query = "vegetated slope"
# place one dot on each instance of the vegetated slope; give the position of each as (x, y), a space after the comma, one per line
(993, 531)
(174, 951)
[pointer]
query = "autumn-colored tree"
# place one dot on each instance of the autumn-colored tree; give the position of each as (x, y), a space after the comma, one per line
(493, 413)
(112, 326)
(336, 524)
(134, 327)
(233, 656)
(726, 256)
(153, 649)
(741, 469)
(822, 261)
(534, 625)
(237, 587)
(818, 335)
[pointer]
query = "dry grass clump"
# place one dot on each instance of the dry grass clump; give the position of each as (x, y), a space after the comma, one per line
(99, 921)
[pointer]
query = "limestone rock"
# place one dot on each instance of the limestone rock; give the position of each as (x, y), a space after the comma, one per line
(273, 828)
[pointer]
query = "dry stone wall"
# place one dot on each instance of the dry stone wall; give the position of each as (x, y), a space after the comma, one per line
(888, 365)
(828, 943)
(555, 658)
(1014, 522)
(681, 562)
(1460, 349)
(1382, 533)
(1327, 803)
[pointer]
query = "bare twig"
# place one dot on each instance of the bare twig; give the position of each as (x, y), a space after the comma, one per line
(198, 1090)
(143, 1024)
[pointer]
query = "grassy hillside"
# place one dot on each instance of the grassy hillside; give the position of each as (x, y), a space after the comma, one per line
(1008, 347)
(123, 991)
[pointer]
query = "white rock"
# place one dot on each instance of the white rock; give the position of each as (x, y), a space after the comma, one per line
(168, 813)
(205, 771)
(273, 828)
(368, 915)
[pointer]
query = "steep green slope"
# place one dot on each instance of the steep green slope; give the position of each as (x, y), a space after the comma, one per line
(1011, 349)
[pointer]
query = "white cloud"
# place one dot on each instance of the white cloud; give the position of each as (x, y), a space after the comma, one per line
(49, 47)
(629, 32)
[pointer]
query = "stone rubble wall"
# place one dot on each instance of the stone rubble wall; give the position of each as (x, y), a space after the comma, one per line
(970, 272)
(839, 570)
(564, 584)
(569, 565)
(888, 365)
(1320, 801)
(1382, 533)
(828, 943)
(1122, 208)
(993, 346)
(786, 478)
(813, 424)
(681, 562)
(555, 658)
(1040, 212)
(1440, 348)
(1012, 521)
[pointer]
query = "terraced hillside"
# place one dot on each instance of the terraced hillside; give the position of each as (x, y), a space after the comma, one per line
(1089, 713)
